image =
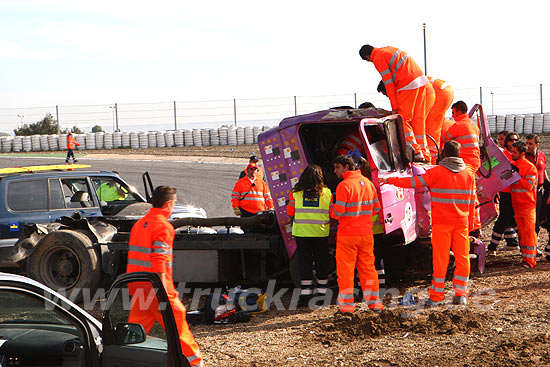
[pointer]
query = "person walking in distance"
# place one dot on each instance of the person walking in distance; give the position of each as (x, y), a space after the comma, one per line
(405, 86)
(309, 205)
(524, 202)
(452, 190)
(356, 202)
(71, 142)
(150, 250)
(251, 195)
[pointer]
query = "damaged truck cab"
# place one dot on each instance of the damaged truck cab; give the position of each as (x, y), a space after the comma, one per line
(405, 213)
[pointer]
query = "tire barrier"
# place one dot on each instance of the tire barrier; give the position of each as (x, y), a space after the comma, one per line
(226, 135)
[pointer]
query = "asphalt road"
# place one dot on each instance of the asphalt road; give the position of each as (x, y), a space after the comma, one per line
(207, 185)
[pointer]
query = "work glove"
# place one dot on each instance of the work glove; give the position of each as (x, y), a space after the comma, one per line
(237, 211)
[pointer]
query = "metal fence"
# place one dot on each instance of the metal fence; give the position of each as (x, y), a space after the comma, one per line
(173, 115)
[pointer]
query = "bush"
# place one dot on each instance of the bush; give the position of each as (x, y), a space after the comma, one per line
(97, 129)
(45, 126)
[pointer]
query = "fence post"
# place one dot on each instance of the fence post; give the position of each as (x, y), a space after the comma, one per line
(57, 117)
(116, 116)
(480, 95)
(235, 111)
(541, 109)
(295, 107)
(355, 99)
(175, 119)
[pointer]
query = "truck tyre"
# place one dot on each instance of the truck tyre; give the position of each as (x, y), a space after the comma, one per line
(294, 268)
(66, 261)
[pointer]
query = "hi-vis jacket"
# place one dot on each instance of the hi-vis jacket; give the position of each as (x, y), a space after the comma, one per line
(466, 132)
(251, 196)
(71, 141)
(524, 191)
(356, 203)
(311, 217)
(150, 246)
(452, 190)
(350, 141)
(398, 70)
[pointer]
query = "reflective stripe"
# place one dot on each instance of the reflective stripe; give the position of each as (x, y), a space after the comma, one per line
(393, 58)
(453, 201)
(311, 210)
(306, 282)
(390, 80)
(529, 248)
(322, 281)
(359, 203)
(321, 290)
(410, 133)
(521, 190)
(306, 291)
(461, 287)
(529, 256)
(422, 181)
(143, 250)
(464, 137)
(530, 176)
(341, 203)
(438, 280)
(160, 244)
(459, 277)
(358, 213)
(162, 251)
(337, 213)
(385, 72)
(169, 264)
(373, 302)
(370, 293)
(437, 289)
(311, 221)
(472, 145)
(413, 182)
(345, 296)
(453, 191)
(399, 63)
(380, 272)
(235, 193)
(253, 199)
(193, 357)
(143, 263)
(421, 137)
(449, 136)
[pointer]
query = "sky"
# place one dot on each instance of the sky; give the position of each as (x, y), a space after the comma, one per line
(93, 54)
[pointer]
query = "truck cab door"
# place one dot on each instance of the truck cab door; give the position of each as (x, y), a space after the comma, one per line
(126, 341)
(495, 172)
(385, 149)
(147, 186)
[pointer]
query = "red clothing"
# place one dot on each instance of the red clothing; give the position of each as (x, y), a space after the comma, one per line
(71, 141)
(524, 191)
(444, 96)
(452, 193)
(539, 160)
(466, 132)
(446, 125)
(251, 196)
(350, 141)
(356, 202)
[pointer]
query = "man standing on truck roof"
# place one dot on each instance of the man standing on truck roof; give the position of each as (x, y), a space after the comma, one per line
(150, 250)
(251, 195)
(71, 142)
(356, 202)
(444, 96)
(452, 190)
(260, 174)
(524, 202)
(466, 132)
(405, 85)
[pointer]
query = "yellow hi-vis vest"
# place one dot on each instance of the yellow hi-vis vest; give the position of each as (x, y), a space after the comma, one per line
(377, 227)
(311, 218)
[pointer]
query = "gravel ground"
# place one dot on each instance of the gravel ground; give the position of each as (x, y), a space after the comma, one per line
(504, 324)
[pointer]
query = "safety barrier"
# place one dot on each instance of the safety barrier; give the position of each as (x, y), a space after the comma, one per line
(524, 124)
(137, 140)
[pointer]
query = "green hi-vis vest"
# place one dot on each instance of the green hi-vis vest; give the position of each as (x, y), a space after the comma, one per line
(377, 227)
(311, 217)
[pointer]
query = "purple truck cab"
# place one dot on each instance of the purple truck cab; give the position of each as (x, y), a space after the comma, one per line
(405, 213)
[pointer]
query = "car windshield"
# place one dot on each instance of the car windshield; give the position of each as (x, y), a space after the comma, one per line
(113, 191)
(21, 308)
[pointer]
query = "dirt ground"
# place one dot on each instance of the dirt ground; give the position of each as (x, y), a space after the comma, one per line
(504, 324)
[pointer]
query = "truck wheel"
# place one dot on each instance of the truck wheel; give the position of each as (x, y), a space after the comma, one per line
(66, 261)
(294, 267)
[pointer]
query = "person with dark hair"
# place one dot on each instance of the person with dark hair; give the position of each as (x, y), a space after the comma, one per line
(538, 158)
(150, 250)
(452, 190)
(309, 204)
(251, 195)
(524, 202)
(71, 142)
(366, 105)
(356, 202)
(500, 139)
(505, 224)
(260, 174)
(405, 86)
(444, 96)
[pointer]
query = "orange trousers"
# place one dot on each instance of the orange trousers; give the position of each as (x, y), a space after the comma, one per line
(526, 220)
(352, 252)
(411, 105)
(445, 238)
(145, 311)
(434, 119)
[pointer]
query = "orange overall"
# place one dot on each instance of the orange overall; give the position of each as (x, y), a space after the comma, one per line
(444, 96)
(252, 197)
(350, 141)
(406, 88)
(453, 198)
(150, 250)
(466, 132)
(356, 202)
(524, 202)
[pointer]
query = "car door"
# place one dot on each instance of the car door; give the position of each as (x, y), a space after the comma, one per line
(386, 154)
(69, 195)
(126, 342)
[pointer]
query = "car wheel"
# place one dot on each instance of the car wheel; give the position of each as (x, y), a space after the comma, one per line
(67, 262)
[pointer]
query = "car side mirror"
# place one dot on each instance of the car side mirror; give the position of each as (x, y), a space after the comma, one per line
(129, 333)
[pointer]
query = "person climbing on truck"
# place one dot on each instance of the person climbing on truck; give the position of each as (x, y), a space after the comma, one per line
(309, 205)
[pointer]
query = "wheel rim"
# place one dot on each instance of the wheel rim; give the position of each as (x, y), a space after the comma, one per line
(61, 268)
